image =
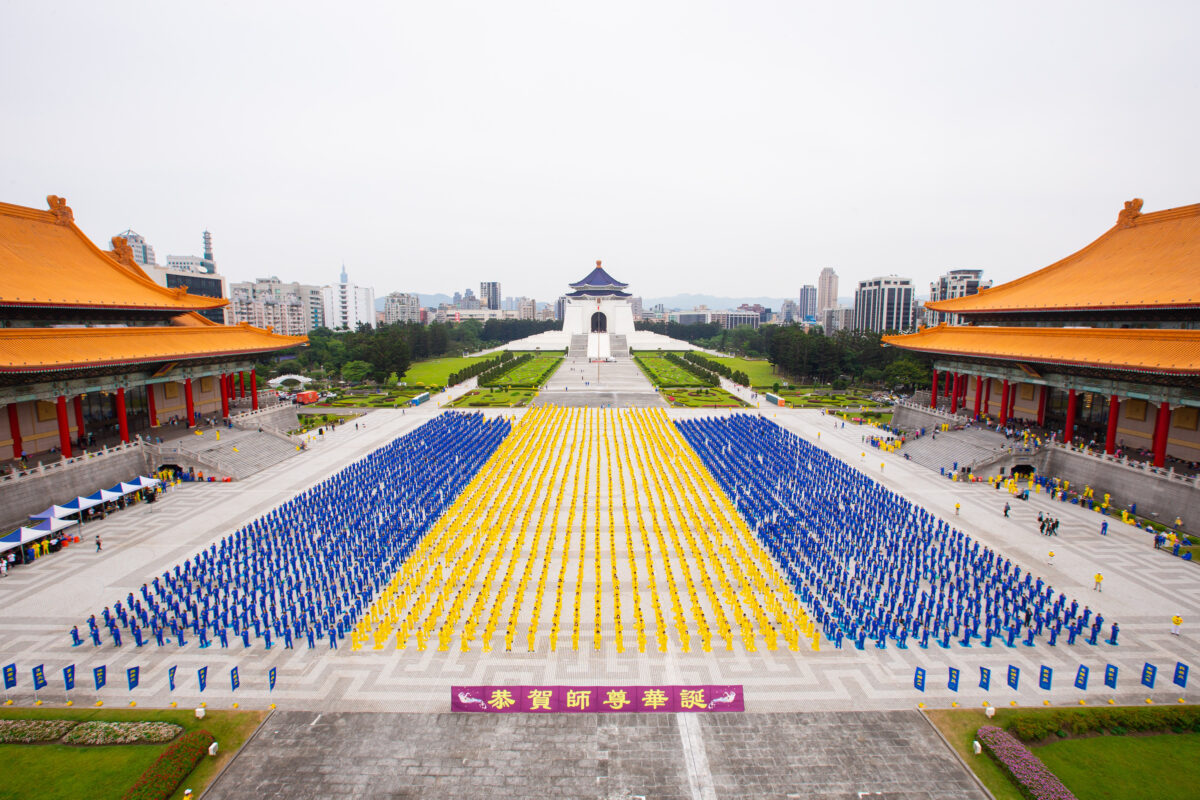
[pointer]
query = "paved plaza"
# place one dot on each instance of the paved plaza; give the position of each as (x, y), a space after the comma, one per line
(580, 383)
(817, 756)
(319, 690)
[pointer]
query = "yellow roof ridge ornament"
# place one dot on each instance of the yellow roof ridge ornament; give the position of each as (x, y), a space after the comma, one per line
(59, 208)
(1129, 214)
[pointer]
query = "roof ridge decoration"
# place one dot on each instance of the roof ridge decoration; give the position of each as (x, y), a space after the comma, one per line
(59, 208)
(1129, 214)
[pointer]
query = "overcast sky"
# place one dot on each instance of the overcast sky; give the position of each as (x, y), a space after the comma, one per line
(724, 148)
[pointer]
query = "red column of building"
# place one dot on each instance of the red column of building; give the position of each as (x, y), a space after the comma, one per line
(1162, 427)
(987, 396)
(1004, 402)
(978, 393)
(253, 391)
(1043, 393)
(64, 429)
(242, 385)
(224, 396)
(229, 387)
(1069, 433)
(14, 427)
(151, 408)
(79, 431)
(1114, 411)
(191, 404)
(122, 417)
(954, 397)
(933, 392)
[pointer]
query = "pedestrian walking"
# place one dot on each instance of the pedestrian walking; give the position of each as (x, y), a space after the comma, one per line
(956, 508)
(1176, 624)
(1007, 507)
(97, 543)
(1104, 528)
(1099, 580)
(1050, 560)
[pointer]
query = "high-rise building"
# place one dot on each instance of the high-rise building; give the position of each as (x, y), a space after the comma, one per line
(955, 283)
(527, 308)
(827, 289)
(292, 309)
(489, 294)
(197, 274)
(470, 302)
(559, 307)
(347, 305)
(142, 253)
(808, 301)
(636, 302)
(837, 319)
(401, 307)
(789, 312)
(883, 304)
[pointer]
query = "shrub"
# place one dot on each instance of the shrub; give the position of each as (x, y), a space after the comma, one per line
(1034, 726)
(94, 732)
(162, 778)
(1026, 769)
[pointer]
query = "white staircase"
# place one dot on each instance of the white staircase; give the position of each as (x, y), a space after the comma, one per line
(618, 346)
(579, 346)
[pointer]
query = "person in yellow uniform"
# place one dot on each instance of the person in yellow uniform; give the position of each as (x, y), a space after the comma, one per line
(1099, 580)
(1176, 624)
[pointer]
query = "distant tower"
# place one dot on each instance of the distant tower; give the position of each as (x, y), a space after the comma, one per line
(207, 263)
(827, 290)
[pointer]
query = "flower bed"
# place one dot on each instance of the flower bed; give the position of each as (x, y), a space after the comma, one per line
(28, 731)
(1027, 770)
(163, 777)
(122, 733)
(1037, 725)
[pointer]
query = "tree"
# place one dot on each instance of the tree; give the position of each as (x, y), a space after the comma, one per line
(356, 371)
(906, 373)
(392, 381)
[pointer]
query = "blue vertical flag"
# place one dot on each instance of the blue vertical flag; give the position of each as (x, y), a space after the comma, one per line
(99, 674)
(1044, 677)
(985, 678)
(1181, 673)
(10, 676)
(1110, 676)
(1081, 678)
(132, 674)
(953, 682)
(271, 679)
(39, 677)
(1148, 673)
(919, 679)
(69, 677)
(1014, 676)
(171, 678)
(202, 674)
(233, 679)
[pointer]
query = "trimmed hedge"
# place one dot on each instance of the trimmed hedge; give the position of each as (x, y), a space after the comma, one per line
(719, 367)
(1031, 776)
(162, 778)
(1034, 726)
(479, 368)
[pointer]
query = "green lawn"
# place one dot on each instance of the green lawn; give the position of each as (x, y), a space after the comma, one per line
(663, 373)
(436, 372)
(485, 398)
(761, 373)
(1120, 767)
(701, 398)
(530, 372)
(53, 771)
(959, 726)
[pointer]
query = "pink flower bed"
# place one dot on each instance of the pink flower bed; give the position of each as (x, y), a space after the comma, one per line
(1026, 769)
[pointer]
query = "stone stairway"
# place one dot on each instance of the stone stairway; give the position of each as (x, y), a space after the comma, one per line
(967, 447)
(578, 347)
(618, 346)
(255, 451)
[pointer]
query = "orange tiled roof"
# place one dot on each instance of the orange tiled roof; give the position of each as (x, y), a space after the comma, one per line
(56, 349)
(46, 261)
(1155, 350)
(1144, 261)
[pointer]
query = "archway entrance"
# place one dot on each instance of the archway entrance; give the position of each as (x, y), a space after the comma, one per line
(599, 322)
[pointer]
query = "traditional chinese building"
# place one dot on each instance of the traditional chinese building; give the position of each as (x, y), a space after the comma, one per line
(88, 339)
(1103, 345)
(598, 304)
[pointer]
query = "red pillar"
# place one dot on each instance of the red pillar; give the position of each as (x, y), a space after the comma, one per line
(150, 407)
(978, 393)
(1043, 397)
(933, 392)
(1069, 433)
(242, 385)
(253, 391)
(14, 427)
(987, 396)
(64, 429)
(79, 431)
(954, 396)
(122, 417)
(1004, 402)
(1162, 426)
(1114, 411)
(191, 403)
(224, 396)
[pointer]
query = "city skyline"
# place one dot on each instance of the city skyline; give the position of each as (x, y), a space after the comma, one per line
(683, 146)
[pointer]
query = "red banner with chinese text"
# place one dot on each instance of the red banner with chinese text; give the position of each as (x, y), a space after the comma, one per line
(595, 699)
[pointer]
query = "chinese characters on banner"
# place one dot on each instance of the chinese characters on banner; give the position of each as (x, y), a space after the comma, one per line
(595, 699)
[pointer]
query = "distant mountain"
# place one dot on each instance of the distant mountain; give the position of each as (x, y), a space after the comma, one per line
(686, 302)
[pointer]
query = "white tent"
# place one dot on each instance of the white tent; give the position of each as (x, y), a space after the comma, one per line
(55, 512)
